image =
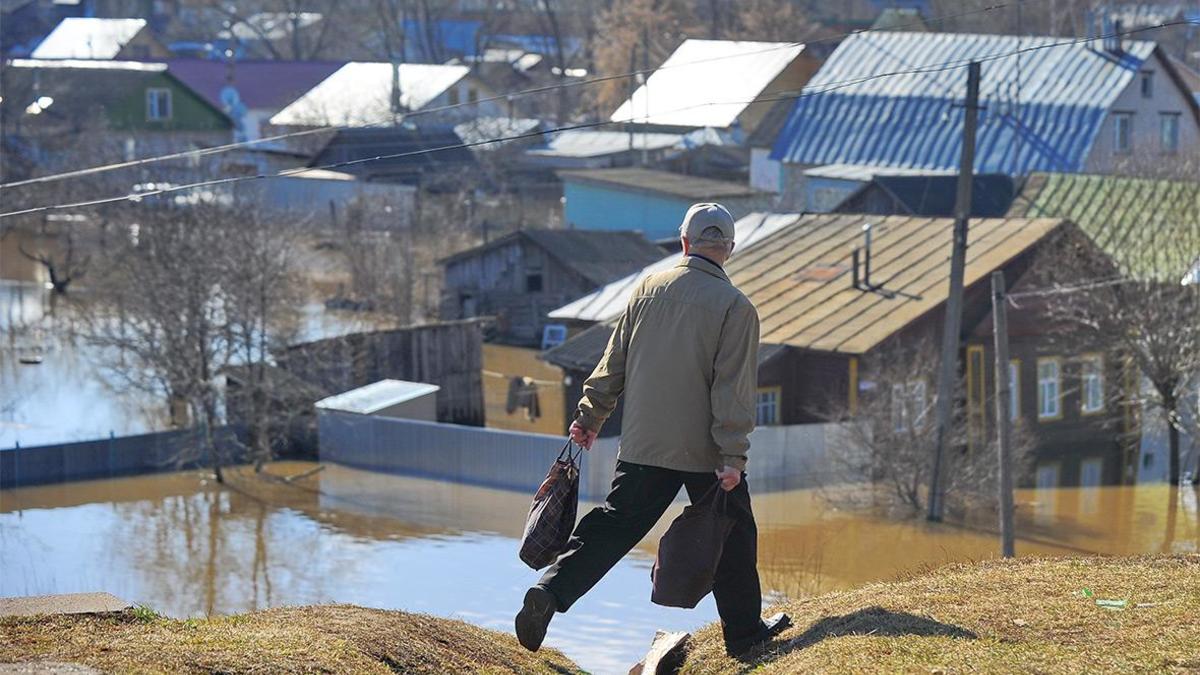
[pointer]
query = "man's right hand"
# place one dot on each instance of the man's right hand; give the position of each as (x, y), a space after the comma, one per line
(582, 436)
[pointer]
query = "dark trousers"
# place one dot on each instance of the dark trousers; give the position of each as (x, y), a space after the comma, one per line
(639, 496)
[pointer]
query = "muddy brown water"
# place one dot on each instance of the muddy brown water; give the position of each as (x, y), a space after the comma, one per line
(187, 547)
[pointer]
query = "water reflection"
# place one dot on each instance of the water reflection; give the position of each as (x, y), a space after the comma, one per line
(189, 548)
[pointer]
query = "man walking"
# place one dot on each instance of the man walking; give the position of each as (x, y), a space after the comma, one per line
(685, 355)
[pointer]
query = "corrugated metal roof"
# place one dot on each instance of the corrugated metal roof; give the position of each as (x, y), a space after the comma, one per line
(707, 83)
(1149, 227)
(823, 312)
(483, 129)
(377, 396)
(585, 143)
(360, 94)
(607, 302)
(665, 182)
(88, 38)
(910, 120)
(597, 255)
(864, 173)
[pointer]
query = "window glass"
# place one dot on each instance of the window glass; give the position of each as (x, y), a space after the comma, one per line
(1048, 389)
(767, 407)
(1168, 132)
(158, 104)
(1014, 390)
(1147, 84)
(1123, 132)
(1092, 372)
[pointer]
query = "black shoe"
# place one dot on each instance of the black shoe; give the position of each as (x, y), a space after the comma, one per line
(534, 617)
(769, 629)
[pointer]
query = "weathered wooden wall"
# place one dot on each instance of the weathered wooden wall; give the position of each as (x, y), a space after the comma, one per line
(447, 354)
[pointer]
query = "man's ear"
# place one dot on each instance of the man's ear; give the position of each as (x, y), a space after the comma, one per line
(683, 241)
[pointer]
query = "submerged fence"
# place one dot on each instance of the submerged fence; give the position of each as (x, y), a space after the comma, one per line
(107, 457)
(781, 458)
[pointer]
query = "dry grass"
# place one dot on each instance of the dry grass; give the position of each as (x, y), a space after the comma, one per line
(328, 638)
(1027, 615)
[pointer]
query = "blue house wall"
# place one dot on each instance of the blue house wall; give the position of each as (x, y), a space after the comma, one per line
(594, 207)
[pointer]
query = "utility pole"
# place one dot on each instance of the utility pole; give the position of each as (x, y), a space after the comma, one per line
(646, 86)
(1003, 412)
(948, 369)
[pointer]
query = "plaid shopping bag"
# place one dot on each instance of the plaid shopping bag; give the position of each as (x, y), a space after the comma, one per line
(552, 514)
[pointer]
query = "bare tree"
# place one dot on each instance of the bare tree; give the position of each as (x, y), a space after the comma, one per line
(888, 437)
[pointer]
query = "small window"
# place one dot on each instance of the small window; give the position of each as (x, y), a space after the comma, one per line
(908, 405)
(472, 95)
(1014, 390)
(1168, 132)
(452, 96)
(1147, 84)
(1049, 389)
(1046, 477)
(158, 104)
(767, 406)
(553, 335)
(1091, 472)
(1092, 376)
(1122, 133)
(533, 282)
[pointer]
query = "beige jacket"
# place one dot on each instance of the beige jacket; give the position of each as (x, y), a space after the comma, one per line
(685, 354)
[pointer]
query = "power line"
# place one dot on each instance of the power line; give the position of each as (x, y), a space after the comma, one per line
(191, 154)
(949, 65)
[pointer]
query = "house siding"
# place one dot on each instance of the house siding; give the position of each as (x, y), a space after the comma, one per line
(1166, 98)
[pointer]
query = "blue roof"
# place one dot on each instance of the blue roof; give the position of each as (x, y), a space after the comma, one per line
(915, 120)
(435, 41)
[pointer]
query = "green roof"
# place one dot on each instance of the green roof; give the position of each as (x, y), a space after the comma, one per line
(1150, 227)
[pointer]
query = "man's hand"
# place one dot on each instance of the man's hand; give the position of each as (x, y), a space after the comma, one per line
(582, 436)
(729, 477)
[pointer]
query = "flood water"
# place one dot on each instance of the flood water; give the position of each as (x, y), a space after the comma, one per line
(186, 547)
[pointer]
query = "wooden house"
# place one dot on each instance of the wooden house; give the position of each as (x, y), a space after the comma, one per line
(826, 345)
(520, 277)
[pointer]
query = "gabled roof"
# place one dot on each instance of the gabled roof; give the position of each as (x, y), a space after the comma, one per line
(857, 110)
(371, 398)
(269, 85)
(607, 302)
(799, 278)
(707, 83)
(88, 38)
(936, 194)
(1150, 227)
(481, 130)
(592, 143)
(597, 256)
(360, 94)
(663, 182)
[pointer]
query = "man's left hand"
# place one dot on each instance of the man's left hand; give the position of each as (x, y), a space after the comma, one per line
(729, 477)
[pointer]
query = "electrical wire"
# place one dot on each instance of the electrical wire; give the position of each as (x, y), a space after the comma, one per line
(203, 152)
(949, 65)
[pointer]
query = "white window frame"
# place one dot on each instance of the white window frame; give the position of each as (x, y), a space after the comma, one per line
(1122, 120)
(766, 406)
(1049, 390)
(153, 111)
(1168, 143)
(1091, 381)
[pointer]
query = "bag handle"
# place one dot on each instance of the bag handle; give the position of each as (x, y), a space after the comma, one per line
(573, 458)
(718, 499)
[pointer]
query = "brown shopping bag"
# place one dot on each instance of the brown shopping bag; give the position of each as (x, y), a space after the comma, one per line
(688, 554)
(552, 515)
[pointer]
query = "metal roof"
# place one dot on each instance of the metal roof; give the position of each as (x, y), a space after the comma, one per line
(360, 94)
(268, 85)
(599, 256)
(707, 83)
(584, 143)
(864, 173)
(665, 182)
(911, 119)
(607, 302)
(88, 38)
(377, 396)
(823, 312)
(482, 129)
(1150, 227)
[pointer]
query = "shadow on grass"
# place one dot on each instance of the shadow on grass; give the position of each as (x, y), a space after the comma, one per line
(869, 621)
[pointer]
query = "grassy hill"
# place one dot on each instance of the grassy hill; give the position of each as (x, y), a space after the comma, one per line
(1024, 615)
(328, 638)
